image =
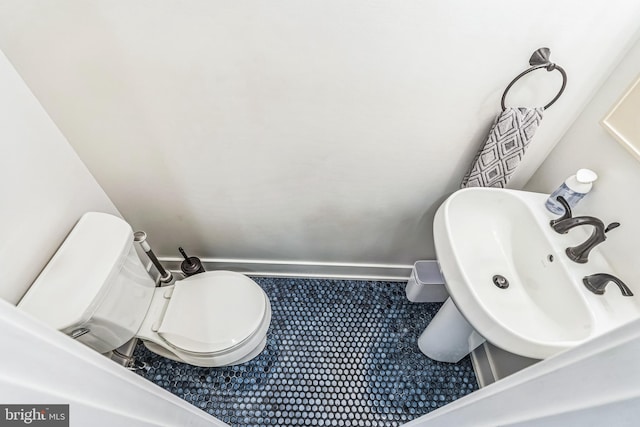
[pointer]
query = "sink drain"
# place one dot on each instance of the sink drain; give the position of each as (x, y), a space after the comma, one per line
(500, 281)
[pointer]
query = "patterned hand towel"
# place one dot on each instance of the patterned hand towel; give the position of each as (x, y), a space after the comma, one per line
(501, 153)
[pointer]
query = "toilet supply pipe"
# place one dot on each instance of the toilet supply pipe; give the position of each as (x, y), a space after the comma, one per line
(141, 237)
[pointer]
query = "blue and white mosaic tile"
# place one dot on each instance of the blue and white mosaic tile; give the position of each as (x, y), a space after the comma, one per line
(339, 353)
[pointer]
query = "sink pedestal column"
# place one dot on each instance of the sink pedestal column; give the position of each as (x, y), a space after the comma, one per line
(449, 337)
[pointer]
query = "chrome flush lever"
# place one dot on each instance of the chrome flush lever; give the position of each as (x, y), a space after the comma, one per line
(77, 333)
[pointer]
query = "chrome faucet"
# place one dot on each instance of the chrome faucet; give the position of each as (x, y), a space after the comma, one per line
(597, 282)
(580, 253)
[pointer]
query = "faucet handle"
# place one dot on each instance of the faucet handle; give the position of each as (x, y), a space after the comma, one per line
(567, 211)
(611, 226)
(597, 282)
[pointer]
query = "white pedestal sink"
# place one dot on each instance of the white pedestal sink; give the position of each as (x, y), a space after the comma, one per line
(484, 234)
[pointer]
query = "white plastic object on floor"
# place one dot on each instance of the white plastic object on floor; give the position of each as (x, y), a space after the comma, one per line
(448, 337)
(426, 283)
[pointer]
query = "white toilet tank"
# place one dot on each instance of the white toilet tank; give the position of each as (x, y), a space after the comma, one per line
(95, 287)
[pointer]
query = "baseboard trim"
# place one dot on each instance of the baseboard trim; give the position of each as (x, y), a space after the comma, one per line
(303, 269)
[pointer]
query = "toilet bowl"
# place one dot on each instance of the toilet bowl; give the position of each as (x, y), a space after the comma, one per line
(96, 290)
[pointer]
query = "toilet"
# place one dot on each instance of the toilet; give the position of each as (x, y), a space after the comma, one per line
(96, 290)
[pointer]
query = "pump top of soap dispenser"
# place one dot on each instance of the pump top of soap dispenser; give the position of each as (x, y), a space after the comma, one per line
(582, 181)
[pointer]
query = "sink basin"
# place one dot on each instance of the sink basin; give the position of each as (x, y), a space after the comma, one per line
(484, 234)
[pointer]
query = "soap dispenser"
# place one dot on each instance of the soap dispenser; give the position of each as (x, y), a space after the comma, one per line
(573, 189)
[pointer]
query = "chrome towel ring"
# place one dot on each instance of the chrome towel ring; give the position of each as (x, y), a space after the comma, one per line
(539, 59)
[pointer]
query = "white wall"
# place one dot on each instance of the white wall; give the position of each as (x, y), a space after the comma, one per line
(615, 195)
(44, 187)
(299, 130)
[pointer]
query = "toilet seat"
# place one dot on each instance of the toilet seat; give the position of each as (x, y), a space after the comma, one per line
(213, 312)
(216, 318)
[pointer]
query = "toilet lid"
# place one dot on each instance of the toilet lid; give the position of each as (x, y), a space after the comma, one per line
(214, 311)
